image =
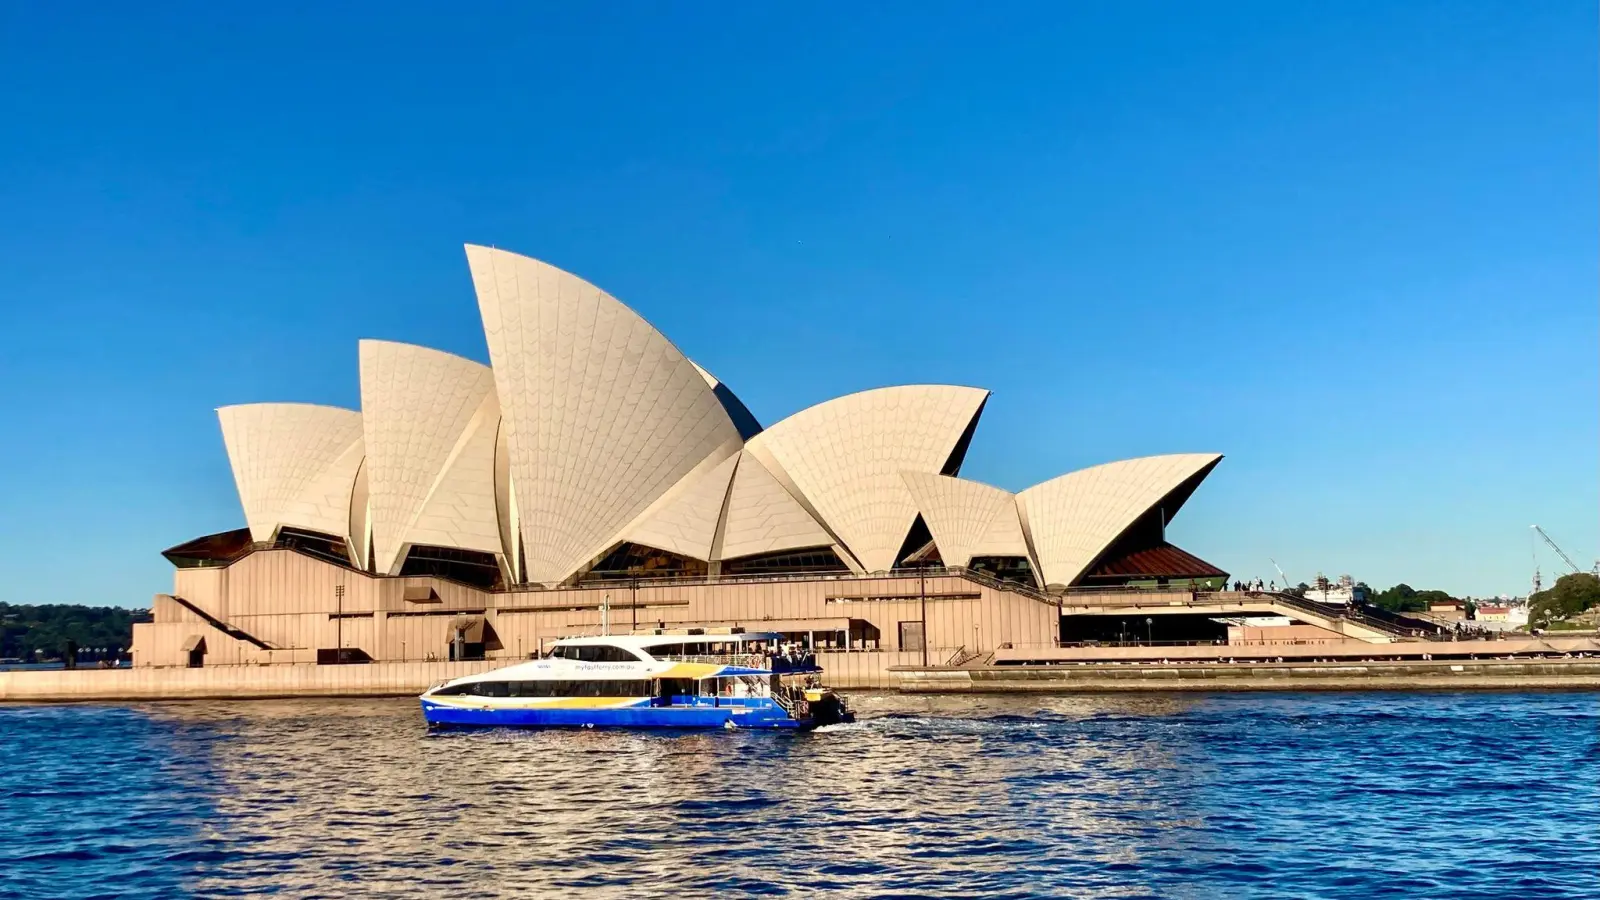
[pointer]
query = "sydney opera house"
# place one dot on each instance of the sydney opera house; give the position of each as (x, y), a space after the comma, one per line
(593, 477)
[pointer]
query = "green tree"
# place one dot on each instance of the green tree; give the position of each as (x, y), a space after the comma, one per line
(1570, 595)
(1400, 598)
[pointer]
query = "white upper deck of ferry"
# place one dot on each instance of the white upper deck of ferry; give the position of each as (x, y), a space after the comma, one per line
(642, 655)
(681, 647)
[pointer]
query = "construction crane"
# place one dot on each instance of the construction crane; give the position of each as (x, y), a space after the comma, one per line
(1559, 552)
(1280, 574)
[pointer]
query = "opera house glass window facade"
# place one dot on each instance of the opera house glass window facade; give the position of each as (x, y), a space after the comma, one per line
(593, 476)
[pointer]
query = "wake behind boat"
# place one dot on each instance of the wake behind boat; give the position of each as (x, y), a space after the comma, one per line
(741, 680)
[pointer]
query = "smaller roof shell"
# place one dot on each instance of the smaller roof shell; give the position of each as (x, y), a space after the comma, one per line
(294, 464)
(967, 518)
(1072, 519)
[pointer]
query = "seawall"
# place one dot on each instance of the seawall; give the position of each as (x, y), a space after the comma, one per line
(411, 678)
(1566, 674)
(233, 682)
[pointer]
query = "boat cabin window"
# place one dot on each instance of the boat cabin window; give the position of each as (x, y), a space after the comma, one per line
(593, 653)
(705, 648)
(478, 689)
(610, 687)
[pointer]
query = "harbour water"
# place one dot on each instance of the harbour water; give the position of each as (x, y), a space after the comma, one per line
(1192, 796)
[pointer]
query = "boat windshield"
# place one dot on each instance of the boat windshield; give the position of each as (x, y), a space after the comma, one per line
(592, 653)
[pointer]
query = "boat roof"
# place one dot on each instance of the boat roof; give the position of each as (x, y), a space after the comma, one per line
(564, 670)
(646, 641)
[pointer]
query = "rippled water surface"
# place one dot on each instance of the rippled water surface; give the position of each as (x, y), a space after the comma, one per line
(1288, 795)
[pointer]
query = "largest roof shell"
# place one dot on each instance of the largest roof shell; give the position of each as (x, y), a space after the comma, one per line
(603, 414)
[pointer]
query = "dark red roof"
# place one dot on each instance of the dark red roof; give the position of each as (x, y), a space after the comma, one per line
(1162, 561)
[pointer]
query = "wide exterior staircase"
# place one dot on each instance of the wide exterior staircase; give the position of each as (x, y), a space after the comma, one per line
(224, 627)
(1353, 623)
(1392, 624)
(1364, 623)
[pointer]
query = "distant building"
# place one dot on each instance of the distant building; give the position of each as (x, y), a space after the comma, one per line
(1343, 592)
(1501, 617)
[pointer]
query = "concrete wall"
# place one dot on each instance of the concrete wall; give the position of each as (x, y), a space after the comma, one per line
(1281, 634)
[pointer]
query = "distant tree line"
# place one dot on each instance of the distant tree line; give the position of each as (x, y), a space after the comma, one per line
(25, 630)
(1404, 598)
(1400, 598)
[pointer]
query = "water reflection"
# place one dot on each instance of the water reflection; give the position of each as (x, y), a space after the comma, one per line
(1089, 796)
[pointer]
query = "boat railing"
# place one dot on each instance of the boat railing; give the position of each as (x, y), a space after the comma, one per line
(793, 700)
(749, 660)
(781, 664)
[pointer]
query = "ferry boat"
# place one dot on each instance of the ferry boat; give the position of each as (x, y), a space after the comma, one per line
(744, 680)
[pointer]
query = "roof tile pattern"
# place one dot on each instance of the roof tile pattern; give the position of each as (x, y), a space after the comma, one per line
(294, 464)
(967, 518)
(416, 405)
(763, 517)
(603, 414)
(687, 524)
(360, 532)
(846, 456)
(460, 510)
(1070, 520)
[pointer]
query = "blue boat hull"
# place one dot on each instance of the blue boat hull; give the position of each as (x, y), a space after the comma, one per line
(693, 716)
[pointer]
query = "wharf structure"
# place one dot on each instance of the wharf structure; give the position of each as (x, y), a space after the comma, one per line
(595, 479)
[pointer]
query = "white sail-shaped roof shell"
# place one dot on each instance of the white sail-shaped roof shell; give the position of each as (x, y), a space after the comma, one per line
(967, 518)
(294, 464)
(461, 509)
(603, 414)
(845, 457)
(1072, 519)
(418, 405)
(763, 517)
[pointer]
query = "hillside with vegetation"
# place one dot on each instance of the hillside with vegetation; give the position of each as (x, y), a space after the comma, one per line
(1571, 597)
(25, 630)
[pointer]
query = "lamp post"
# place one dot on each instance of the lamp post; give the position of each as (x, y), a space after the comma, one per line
(1149, 630)
(338, 595)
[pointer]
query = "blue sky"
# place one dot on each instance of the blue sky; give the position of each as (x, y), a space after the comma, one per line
(1352, 246)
